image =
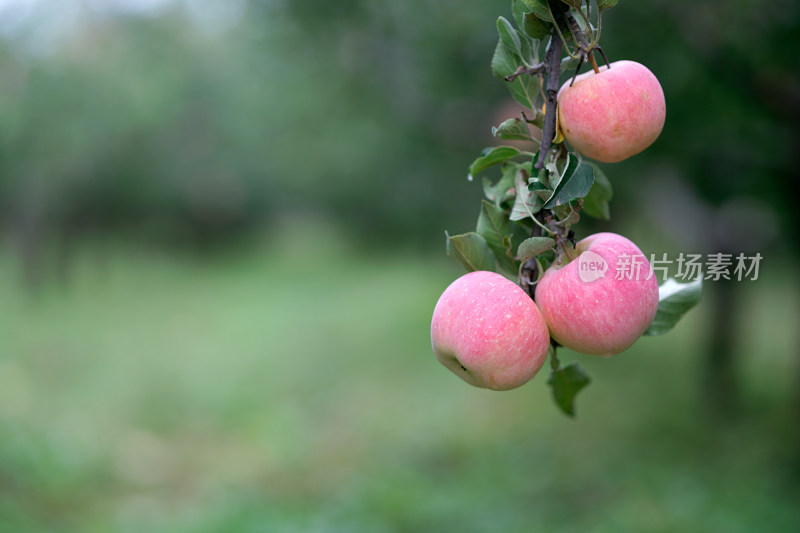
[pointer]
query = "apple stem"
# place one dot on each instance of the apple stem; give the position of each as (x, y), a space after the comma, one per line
(593, 62)
(566, 251)
(555, 364)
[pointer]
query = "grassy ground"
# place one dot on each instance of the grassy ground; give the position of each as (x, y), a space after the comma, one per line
(291, 387)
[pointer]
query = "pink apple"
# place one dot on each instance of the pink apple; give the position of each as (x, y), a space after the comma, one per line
(614, 114)
(600, 302)
(489, 332)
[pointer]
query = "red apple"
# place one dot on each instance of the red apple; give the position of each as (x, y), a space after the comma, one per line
(600, 302)
(614, 114)
(489, 332)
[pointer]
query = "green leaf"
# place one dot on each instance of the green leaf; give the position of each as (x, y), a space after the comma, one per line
(674, 300)
(471, 250)
(567, 382)
(526, 48)
(492, 156)
(567, 168)
(528, 22)
(495, 228)
(596, 202)
(569, 216)
(543, 194)
(525, 88)
(537, 120)
(540, 189)
(606, 4)
(540, 9)
(573, 184)
(513, 128)
(509, 36)
(534, 27)
(526, 204)
(504, 63)
(553, 174)
(536, 185)
(518, 9)
(534, 246)
(503, 190)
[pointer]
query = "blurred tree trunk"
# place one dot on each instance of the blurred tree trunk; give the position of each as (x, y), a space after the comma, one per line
(27, 234)
(797, 416)
(720, 389)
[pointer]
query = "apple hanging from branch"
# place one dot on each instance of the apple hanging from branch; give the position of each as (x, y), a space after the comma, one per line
(489, 332)
(613, 114)
(601, 301)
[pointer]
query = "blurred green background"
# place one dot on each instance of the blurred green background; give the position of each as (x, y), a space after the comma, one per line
(222, 240)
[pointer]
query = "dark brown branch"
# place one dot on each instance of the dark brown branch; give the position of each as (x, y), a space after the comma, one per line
(577, 33)
(585, 48)
(553, 69)
(530, 71)
(529, 273)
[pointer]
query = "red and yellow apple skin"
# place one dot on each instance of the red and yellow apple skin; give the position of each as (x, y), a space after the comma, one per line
(595, 312)
(489, 332)
(614, 114)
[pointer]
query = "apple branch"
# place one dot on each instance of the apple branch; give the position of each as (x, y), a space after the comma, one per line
(555, 364)
(529, 273)
(584, 47)
(552, 69)
(530, 71)
(552, 63)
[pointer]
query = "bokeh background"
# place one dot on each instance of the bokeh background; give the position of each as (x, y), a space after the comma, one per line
(222, 240)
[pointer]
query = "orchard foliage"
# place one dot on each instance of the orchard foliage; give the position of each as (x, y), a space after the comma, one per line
(533, 199)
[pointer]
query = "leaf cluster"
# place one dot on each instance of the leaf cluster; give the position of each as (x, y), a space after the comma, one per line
(520, 201)
(521, 45)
